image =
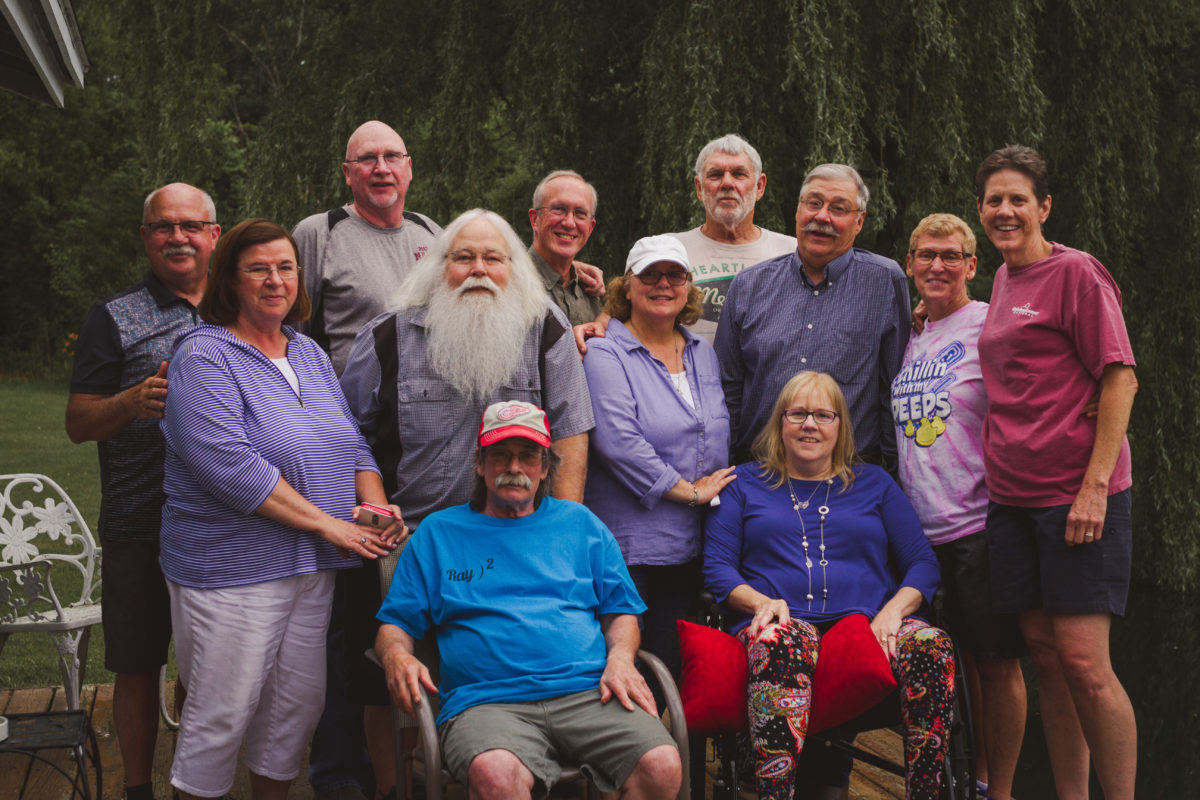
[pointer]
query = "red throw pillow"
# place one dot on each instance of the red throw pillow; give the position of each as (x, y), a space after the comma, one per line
(852, 675)
(715, 672)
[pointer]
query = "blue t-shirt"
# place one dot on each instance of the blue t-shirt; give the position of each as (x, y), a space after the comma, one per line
(515, 603)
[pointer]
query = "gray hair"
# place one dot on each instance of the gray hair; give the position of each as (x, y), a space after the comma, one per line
(211, 207)
(539, 193)
(733, 145)
(430, 271)
(839, 172)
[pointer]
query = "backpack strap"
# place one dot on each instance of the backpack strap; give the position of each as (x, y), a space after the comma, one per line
(387, 439)
(336, 215)
(552, 331)
(413, 216)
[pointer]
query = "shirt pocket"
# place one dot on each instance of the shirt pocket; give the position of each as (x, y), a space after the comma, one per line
(854, 353)
(426, 404)
(713, 396)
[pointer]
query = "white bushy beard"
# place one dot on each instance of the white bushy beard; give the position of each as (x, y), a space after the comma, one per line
(477, 340)
(731, 217)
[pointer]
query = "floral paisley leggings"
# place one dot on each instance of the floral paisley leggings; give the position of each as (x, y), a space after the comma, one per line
(782, 661)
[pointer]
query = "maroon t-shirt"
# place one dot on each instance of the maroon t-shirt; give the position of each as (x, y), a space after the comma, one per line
(1052, 327)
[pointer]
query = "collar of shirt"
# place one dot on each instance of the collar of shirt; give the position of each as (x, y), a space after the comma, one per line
(833, 270)
(624, 337)
(163, 296)
(549, 277)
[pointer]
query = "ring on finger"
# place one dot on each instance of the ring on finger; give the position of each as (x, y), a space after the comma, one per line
(363, 540)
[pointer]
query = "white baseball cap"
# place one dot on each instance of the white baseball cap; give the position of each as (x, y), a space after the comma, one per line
(653, 249)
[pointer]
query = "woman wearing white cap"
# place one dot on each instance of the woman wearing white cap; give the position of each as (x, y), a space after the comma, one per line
(660, 449)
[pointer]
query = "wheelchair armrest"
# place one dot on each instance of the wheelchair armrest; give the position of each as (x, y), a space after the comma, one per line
(710, 612)
(678, 726)
(429, 738)
(430, 744)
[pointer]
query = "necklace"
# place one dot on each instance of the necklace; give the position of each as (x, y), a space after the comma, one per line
(823, 510)
(632, 327)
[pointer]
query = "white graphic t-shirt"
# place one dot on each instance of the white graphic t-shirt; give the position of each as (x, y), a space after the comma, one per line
(938, 404)
(715, 263)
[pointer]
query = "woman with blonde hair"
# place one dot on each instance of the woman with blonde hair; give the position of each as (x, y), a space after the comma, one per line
(806, 536)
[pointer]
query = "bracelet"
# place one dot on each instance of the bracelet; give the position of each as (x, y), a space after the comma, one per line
(695, 497)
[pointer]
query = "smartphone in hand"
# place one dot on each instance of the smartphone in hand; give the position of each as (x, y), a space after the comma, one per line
(375, 516)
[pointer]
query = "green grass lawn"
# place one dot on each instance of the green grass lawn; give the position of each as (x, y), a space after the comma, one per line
(32, 439)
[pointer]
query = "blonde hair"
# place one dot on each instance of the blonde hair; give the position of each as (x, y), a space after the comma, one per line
(769, 448)
(942, 226)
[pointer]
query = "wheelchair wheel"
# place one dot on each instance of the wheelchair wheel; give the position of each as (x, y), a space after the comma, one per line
(958, 778)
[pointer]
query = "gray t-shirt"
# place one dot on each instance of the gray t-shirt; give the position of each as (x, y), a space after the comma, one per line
(353, 271)
(715, 263)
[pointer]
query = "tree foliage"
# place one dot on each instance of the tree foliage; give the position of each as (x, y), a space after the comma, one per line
(254, 101)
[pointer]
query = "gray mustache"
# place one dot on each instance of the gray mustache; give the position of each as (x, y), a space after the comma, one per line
(519, 480)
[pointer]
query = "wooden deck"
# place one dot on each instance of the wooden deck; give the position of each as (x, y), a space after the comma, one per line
(21, 779)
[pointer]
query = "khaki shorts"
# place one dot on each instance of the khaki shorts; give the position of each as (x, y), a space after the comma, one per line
(603, 738)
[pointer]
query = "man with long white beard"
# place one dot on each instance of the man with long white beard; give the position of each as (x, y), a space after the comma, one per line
(474, 327)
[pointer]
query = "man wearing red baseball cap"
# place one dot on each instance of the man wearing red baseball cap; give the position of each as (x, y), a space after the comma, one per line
(533, 611)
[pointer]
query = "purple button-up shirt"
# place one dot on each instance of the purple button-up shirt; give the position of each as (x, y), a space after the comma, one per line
(647, 438)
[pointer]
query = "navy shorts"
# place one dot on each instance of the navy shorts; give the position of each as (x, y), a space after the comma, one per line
(1032, 567)
(135, 607)
(965, 605)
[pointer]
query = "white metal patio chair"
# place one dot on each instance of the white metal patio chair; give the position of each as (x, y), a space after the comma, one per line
(44, 538)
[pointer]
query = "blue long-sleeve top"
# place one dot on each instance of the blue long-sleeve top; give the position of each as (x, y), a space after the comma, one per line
(233, 427)
(873, 539)
(647, 438)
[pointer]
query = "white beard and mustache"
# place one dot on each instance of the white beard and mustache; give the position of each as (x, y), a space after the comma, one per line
(730, 216)
(477, 340)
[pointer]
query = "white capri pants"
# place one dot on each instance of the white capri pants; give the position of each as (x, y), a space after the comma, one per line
(252, 659)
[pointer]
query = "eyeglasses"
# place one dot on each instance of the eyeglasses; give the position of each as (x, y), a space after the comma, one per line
(675, 277)
(188, 226)
(821, 416)
(556, 212)
(467, 258)
(260, 272)
(951, 258)
(369, 160)
(500, 457)
(837, 209)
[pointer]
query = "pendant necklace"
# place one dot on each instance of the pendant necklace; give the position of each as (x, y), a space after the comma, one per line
(823, 510)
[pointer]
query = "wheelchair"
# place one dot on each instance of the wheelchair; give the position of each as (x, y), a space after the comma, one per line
(436, 777)
(722, 766)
